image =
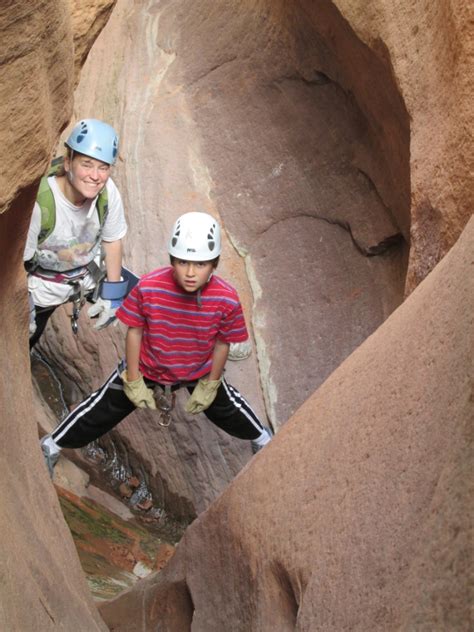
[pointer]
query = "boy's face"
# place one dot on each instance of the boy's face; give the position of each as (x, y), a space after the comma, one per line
(192, 275)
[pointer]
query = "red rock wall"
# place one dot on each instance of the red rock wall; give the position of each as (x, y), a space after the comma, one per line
(430, 48)
(224, 108)
(43, 587)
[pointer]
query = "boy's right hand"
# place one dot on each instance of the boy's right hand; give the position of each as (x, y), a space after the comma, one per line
(138, 392)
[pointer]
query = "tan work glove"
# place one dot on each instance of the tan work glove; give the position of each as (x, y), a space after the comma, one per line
(203, 395)
(138, 392)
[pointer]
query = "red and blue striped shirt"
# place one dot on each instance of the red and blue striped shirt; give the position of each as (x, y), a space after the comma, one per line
(179, 335)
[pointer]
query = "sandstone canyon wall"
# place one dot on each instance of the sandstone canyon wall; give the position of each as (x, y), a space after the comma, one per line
(281, 118)
(42, 584)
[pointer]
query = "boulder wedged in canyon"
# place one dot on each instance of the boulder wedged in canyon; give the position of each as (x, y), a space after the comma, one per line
(354, 517)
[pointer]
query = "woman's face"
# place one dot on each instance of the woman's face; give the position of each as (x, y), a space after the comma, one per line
(86, 175)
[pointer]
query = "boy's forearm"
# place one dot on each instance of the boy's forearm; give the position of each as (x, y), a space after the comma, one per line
(219, 358)
(132, 352)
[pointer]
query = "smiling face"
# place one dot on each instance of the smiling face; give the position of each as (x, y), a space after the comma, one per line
(85, 177)
(192, 275)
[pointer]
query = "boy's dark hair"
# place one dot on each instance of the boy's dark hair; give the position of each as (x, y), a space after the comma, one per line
(213, 261)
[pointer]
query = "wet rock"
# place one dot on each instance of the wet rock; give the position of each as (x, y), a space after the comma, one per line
(133, 482)
(125, 491)
(145, 504)
(163, 556)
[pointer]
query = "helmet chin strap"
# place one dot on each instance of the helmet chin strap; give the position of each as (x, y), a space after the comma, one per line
(198, 293)
(69, 175)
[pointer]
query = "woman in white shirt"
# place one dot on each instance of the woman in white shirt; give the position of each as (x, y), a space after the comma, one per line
(78, 219)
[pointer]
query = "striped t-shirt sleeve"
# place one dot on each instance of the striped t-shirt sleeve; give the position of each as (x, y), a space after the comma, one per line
(130, 312)
(233, 328)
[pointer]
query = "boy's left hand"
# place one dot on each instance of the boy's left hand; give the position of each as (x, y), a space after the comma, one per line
(203, 395)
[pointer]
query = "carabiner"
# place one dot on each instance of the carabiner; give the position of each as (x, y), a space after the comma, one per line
(78, 301)
(165, 400)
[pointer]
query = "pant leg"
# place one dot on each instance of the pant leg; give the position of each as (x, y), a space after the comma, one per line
(95, 416)
(41, 318)
(232, 413)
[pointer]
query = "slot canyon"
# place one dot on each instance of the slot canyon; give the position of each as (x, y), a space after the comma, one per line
(333, 142)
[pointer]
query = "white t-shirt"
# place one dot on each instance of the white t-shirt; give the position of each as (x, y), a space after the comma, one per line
(74, 242)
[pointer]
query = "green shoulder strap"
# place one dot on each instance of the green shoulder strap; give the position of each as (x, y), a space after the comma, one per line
(45, 200)
(102, 206)
(46, 203)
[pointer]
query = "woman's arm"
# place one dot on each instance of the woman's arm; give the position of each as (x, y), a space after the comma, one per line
(113, 259)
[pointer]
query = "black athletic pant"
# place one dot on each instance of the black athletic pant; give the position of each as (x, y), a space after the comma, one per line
(42, 315)
(107, 406)
(41, 318)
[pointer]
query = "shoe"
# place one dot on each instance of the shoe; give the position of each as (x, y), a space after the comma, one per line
(50, 458)
(256, 447)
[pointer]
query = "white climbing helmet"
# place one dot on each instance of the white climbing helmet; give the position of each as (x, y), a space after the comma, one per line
(195, 237)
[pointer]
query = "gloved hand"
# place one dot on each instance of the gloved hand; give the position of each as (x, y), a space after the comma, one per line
(203, 395)
(138, 392)
(240, 350)
(112, 294)
(32, 325)
(105, 310)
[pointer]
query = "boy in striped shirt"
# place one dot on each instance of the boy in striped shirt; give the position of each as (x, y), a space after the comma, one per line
(181, 321)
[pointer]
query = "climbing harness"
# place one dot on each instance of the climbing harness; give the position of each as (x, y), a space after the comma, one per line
(75, 279)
